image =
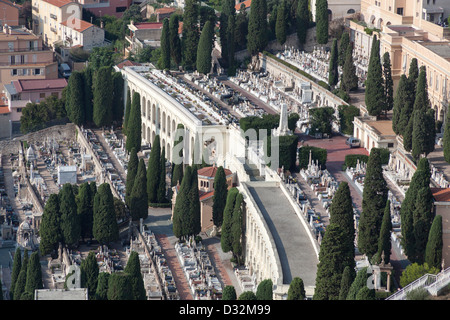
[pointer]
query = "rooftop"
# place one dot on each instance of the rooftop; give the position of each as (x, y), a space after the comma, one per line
(39, 84)
(211, 172)
(164, 10)
(247, 4)
(77, 24)
(59, 3)
(61, 294)
(442, 49)
(382, 127)
(441, 194)
(148, 25)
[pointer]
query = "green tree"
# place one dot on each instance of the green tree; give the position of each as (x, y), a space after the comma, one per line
(374, 83)
(247, 295)
(127, 111)
(102, 286)
(154, 170)
(302, 15)
(88, 94)
(373, 204)
(192, 222)
(220, 196)
(226, 235)
(414, 271)
(333, 74)
(281, 23)
(175, 41)
(205, 46)
(69, 223)
(433, 252)
(75, 98)
(388, 83)
(105, 229)
(50, 231)
(133, 269)
(139, 196)
(359, 282)
(134, 124)
(181, 204)
(191, 34)
(264, 291)
(241, 31)
(164, 62)
(384, 241)
(296, 289)
(322, 21)
(402, 106)
(19, 287)
(344, 43)
(85, 210)
(346, 282)
(349, 79)
(120, 286)
(365, 294)
(102, 97)
(236, 228)
(131, 175)
(413, 74)
(446, 138)
(229, 293)
(89, 274)
(161, 192)
(257, 27)
(422, 219)
(17, 266)
(117, 101)
(231, 27)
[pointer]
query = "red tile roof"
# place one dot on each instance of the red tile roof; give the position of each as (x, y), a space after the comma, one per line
(211, 172)
(77, 24)
(149, 25)
(59, 3)
(4, 110)
(206, 195)
(441, 194)
(127, 63)
(164, 10)
(39, 84)
(247, 4)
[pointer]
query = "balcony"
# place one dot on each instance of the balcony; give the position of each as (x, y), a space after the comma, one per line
(35, 9)
(53, 30)
(53, 16)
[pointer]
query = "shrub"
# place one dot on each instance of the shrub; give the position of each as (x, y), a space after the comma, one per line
(351, 159)
(346, 115)
(316, 154)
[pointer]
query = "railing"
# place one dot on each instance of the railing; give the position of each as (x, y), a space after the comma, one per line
(431, 282)
(22, 49)
(53, 16)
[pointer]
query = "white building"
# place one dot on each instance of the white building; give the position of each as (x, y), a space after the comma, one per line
(82, 33)
(67, 174)
(338, 8)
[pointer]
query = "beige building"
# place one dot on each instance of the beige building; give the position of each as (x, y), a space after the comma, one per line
(83, 34)
(338, 8)
(373, 133)
(409, 29)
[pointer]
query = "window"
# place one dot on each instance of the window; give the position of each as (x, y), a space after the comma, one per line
(390, 145)
(14, 72)
(19, 109)
(37, 71)
(55, 94)
(121, 9)
(42, 95)
(400, 11)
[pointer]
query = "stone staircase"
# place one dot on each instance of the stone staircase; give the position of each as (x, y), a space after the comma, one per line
(253, 172)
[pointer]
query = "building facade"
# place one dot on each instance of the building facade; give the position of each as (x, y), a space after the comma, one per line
(338, 8)
(83, 34)
(9, 13)
(100, 8)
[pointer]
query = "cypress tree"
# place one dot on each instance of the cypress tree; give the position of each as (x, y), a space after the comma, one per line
(231, 44)
(75, 98)
(175, 41)
(161, 192)
(341, 214)
(226, 236)
(302, 14)
(220, 196)
(105, 229)
(365, 294)
(154, 170)
(374, 83)
(177, 175)
(333, 74)
(296, 290)
(433, 252)
(241, 30)
(402, 106)
(17, 266)
(384, 242)
(236, 228)
(281, 23)
(229, 293)
(120, 286)
(194, 221)
(247, 295)
(25, 260)
(34, 274)
(422, 219)
(117, 106)
(330, 268)
(164, 62)
(205, 46)
(257, 27)
(388, 83)
(133, 269)
(131, 175)
(139, 196)
(344, 43)
(70, 223)
(50, 231)
(102, 286)
(375, 194)
(102, 97)
(349, 79)
(407, 134)
(359, 282)
(134, 124)
(19, 287)
(446, 138)
(89, 274)
(346, 282)
(322, 21)
(85, 210)
(413, 74)
(181, 204)
(127, 112)
(191, 34)
(264, 291)
(88, 94)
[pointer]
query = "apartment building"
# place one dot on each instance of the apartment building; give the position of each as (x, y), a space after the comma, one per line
(9, 13)
(106, 7)
(409, 29)
(23, 56)
(83, 34)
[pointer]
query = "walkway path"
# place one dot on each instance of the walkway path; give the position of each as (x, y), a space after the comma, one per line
(111, 155)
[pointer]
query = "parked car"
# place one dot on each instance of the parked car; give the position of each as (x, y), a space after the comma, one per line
(353, 142)
(64, 69)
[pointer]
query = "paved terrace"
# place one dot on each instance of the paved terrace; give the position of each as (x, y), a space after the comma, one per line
(296, 252)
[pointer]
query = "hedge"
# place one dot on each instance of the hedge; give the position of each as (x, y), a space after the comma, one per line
(287, 151)
(346, 115)
(384, 155)
(316, 154)
(351, 159)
